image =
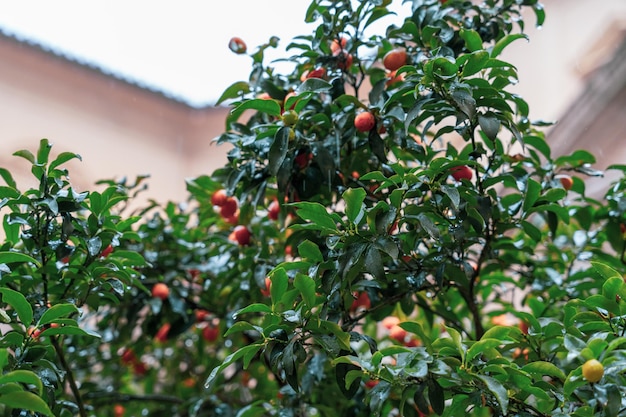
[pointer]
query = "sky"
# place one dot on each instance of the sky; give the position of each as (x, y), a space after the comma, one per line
(179, 48)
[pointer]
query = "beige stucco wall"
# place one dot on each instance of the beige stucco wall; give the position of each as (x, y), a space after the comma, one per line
(118, 129)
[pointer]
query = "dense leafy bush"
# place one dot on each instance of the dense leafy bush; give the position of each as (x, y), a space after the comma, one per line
(391, 235)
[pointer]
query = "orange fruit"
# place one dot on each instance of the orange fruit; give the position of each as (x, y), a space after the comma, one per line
(160, 290)
(237, 45)
(567, 182)
(364, 121)
(593, 370)
(338, 44)
(394, 59)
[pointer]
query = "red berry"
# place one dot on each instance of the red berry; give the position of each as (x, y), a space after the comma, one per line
(160, 290)
(237, 45)
(268, 284)
(364, 121)
(229, 207)
(219, 197)
(461, 172)
(242, 235)
(273, 210)
(161, 334)
(362, 300)
(394, 59)
(106, 251)
(210, 333)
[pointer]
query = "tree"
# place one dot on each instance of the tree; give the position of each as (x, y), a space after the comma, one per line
(423, 258)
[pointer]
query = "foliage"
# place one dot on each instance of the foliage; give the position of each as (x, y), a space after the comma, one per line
(386, 283)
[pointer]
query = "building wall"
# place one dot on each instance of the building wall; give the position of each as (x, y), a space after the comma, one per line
(118, 128)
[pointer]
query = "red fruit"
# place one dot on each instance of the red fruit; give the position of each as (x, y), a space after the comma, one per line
(268, 284)
(393, 78)
(523, 326)
(161, 334)
(362, 300)
(338, 44)
(219, 197)
(316, 73)
(303, 159)
(398, 333)
(160, 290)
(229, 207)
(242, 235)
(344, 60)
(364, 121)
(461, 172)
(371, 383)
(237, 45)
(118, 410)
(567, 182)
(390, 321)
(394, 59)
(140, 368)
(128, 357)
(273, 210)
(211, 333)
(201, 315)
(106, 251)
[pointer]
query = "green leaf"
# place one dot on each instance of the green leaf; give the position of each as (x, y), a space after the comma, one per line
(475, 63)
(20, 305)
(243, 326)
(8, 178)
(504, 42)
(605, 271)
(310, 252)
(316, 214)
(498, 390)
(26, 401)
(531, 230)
(23, 377)
(278, 150)
(26, 154)
(489, 124)
(235, 90)
(71, 330)
(270, 107)
(306, 286)
(533, 190)
(436, 396)
(315, 85)
(230, 359)
(453, 194)
(8, 257)
(62, 158)
(280, 282)
(43, 152)
(354, 198)
(542, 368)
(254, 308)
(342, 337)
(56, 312)
(481, 346)
(472, 39)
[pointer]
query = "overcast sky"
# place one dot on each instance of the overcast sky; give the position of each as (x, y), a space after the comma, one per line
(178, 47)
